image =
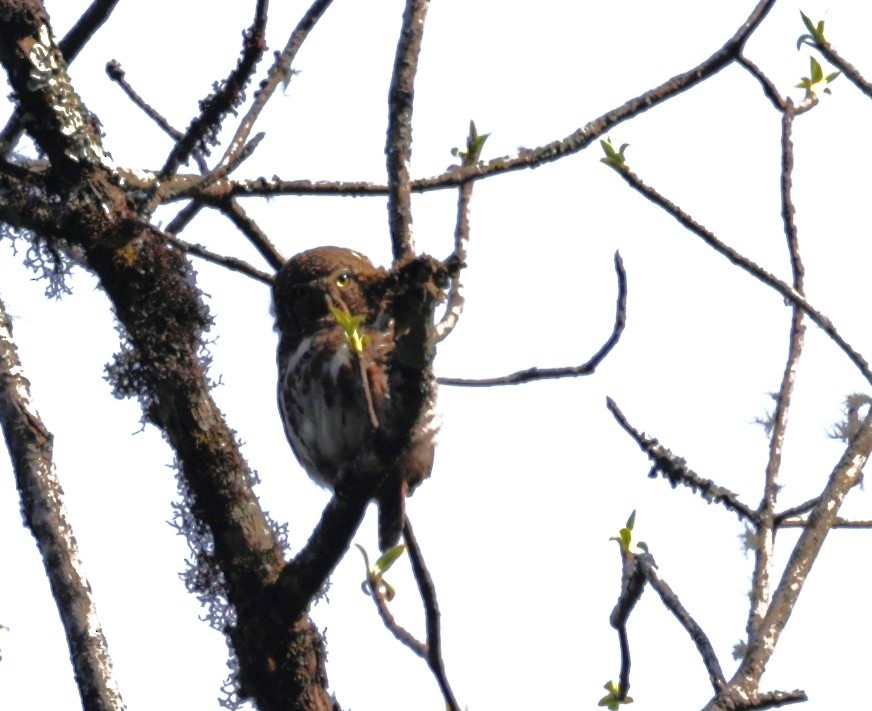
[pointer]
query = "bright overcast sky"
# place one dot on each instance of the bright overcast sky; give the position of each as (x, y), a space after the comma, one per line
(530, 482)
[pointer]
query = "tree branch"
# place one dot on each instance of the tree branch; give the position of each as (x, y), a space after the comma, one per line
(676, 471)
(30, 447)
(531, 374)
(789, 293)
(399, 139)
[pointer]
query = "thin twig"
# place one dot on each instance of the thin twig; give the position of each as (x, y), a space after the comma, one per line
(280, 70)
(184, 217)
(765, 540)
(848, 69)
(397, 630)
(676, 471)
(461, 241)
(531, 374)
(768, 87)
(837, 523)
(789, 293)
(632, 586)
(262, 243)
(232, 263)
(431, 613)
(399, 141)
(204, 128)
(30, 448)
(673, 604)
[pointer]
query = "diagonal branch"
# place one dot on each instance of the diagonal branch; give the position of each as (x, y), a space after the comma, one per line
(30, 447)
(676, 471)
(741, 261)
(431, 610)
(204, 128)
(278, 73)
(847, 474)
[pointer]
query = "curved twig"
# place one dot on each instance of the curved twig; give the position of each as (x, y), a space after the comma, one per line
(531, 374)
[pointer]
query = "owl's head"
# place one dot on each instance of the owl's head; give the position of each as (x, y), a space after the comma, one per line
(310, 282)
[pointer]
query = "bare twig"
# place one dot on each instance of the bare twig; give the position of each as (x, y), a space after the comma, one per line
(190, 186)
(676, 471)
(30, 447)
(237, 215)
(431, 612)
(531, 374)
(232, 263)
(765, 543)
(632, 587)
(672, 603)
(204, 128)
(397, 630)
(788, 292)
(461, 240)
(768, 87)
(184, 217)
(848, 69)
(116, 73)
(280, 70)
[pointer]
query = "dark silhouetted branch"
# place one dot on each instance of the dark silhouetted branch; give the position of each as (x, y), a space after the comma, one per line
(399, 139)
(532, 374)
(789, 293)
(675, 470)
(203, 130)
(231, 263)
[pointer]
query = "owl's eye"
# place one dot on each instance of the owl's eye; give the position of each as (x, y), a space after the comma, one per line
(343, 280)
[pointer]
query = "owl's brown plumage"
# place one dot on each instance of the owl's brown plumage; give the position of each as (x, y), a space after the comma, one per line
(332, 310)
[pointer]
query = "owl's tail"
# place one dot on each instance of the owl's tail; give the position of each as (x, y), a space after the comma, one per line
(391, 513)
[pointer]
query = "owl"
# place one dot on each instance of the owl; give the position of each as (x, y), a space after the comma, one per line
(336, 337)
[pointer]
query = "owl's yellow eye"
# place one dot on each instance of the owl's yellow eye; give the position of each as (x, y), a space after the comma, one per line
(343, 280)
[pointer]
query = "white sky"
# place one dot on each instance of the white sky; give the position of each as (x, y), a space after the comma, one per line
(530, 482)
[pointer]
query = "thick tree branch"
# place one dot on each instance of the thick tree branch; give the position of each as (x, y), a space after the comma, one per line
(30, 447)
(152, 289)
(90, 21)
(847, 474)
